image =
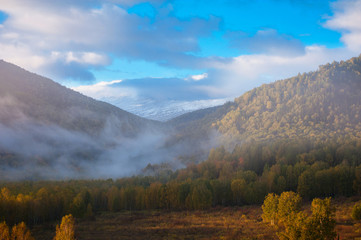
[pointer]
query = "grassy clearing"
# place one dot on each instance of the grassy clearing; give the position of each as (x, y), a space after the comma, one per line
(226, 223)
(217, 223)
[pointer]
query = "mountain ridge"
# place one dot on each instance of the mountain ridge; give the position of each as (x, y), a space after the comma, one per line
(48, 102)
(322, 104)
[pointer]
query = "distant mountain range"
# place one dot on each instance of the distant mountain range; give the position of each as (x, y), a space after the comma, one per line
(159, 99)
(66, 134)
(161, 110)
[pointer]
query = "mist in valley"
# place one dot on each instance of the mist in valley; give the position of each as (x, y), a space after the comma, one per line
(32, 150)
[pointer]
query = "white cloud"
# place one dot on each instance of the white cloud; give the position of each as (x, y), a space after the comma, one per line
(248, 71)
(198, 77)
(347, 19)
(79, 35)
(22, 55)
(267, 41)
(65, 38)
(89, 58)
(103, 90)
(108, 83)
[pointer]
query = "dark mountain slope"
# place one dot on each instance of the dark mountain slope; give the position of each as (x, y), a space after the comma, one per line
(27, 95)
(205, 115)
(50, 132)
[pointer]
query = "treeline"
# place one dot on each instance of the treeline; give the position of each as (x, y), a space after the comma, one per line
(243, 176)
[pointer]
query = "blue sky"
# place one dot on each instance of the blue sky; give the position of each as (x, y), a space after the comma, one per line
(221, 48)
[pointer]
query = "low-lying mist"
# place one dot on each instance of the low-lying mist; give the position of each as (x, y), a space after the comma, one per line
(31, 150)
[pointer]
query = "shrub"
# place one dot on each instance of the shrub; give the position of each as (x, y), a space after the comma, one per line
(356, 211)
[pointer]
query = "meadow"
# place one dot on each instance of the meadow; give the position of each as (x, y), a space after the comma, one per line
(215, 223)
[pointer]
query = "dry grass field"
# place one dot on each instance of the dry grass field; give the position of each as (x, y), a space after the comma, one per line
(346, 227)
(222, 223)
(217, 223)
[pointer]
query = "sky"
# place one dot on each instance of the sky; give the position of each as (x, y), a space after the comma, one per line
(211, 49)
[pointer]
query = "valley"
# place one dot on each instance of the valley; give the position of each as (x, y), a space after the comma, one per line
(173, 119)
(299, 135)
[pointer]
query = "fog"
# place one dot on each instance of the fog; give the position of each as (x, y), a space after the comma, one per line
(31, 150)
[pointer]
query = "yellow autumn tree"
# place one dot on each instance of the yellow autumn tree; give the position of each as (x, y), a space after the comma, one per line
(66, 229)
(269, 208)
(20, 232)
(4, 231)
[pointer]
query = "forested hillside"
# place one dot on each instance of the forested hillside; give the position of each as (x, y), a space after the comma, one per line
(320, 105)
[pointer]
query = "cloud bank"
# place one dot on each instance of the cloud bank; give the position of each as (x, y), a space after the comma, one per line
(275, 56)
(78, 36)
(72, 39)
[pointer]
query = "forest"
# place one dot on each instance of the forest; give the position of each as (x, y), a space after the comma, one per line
(244, 176)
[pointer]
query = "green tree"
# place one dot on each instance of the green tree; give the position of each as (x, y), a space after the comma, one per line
(221, 192)
(281, 184)
(356, 211)
(321, 224)
(289, 204)
(199, 198)
(89, 212)
(294, 228)
(113, 196)
(238, 187)
(78, 206)
(66, 229)
(152, 195)
(270, 208)
(357, 181)
(306, 184)
(284, 210)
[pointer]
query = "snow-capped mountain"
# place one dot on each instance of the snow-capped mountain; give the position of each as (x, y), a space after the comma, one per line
(161, 110)
(159, 99)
